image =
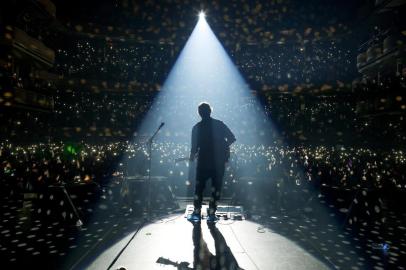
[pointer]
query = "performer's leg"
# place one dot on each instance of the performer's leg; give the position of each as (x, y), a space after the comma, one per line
(201, 177)
(217, 182)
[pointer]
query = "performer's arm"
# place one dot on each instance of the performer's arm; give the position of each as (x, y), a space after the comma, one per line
(229, 135)
(193, 150)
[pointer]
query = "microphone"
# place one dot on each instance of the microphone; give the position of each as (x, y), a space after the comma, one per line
(160, 126)
(156, 131)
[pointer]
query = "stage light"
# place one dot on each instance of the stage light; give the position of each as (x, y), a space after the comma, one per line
(202, 15)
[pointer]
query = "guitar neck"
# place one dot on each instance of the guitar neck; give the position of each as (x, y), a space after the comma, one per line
(181, 159)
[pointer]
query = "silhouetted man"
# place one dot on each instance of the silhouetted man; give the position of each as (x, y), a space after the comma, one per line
(211, 140)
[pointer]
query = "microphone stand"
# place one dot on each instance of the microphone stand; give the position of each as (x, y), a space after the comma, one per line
(150, 141)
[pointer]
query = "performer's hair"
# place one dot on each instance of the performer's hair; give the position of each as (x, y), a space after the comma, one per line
(204, 110)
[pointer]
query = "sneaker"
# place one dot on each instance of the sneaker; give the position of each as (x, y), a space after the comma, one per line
(212, 219)
(194, 217)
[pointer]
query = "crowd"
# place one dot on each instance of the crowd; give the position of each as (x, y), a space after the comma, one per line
(95, 59)
(291, 64)
(235, 21)
(33, 167)
(335, 118)
(284, 44)
(271, 65)
(109, 113)
(110, 76)
(36, 166)
(299, 69)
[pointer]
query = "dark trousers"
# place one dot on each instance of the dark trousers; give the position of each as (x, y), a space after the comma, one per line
(202, 176)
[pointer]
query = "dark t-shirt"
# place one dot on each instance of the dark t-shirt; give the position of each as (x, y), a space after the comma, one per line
(211, 139)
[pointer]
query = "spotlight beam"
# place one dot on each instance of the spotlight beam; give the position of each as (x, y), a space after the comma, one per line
(205, 72)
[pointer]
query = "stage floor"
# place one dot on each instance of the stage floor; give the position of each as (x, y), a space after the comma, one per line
(251, 246)
(302, 239)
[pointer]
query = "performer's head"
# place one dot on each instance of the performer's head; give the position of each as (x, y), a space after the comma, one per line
(204, 110)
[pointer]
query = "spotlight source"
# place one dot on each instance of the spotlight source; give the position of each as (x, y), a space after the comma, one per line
(202, 15)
